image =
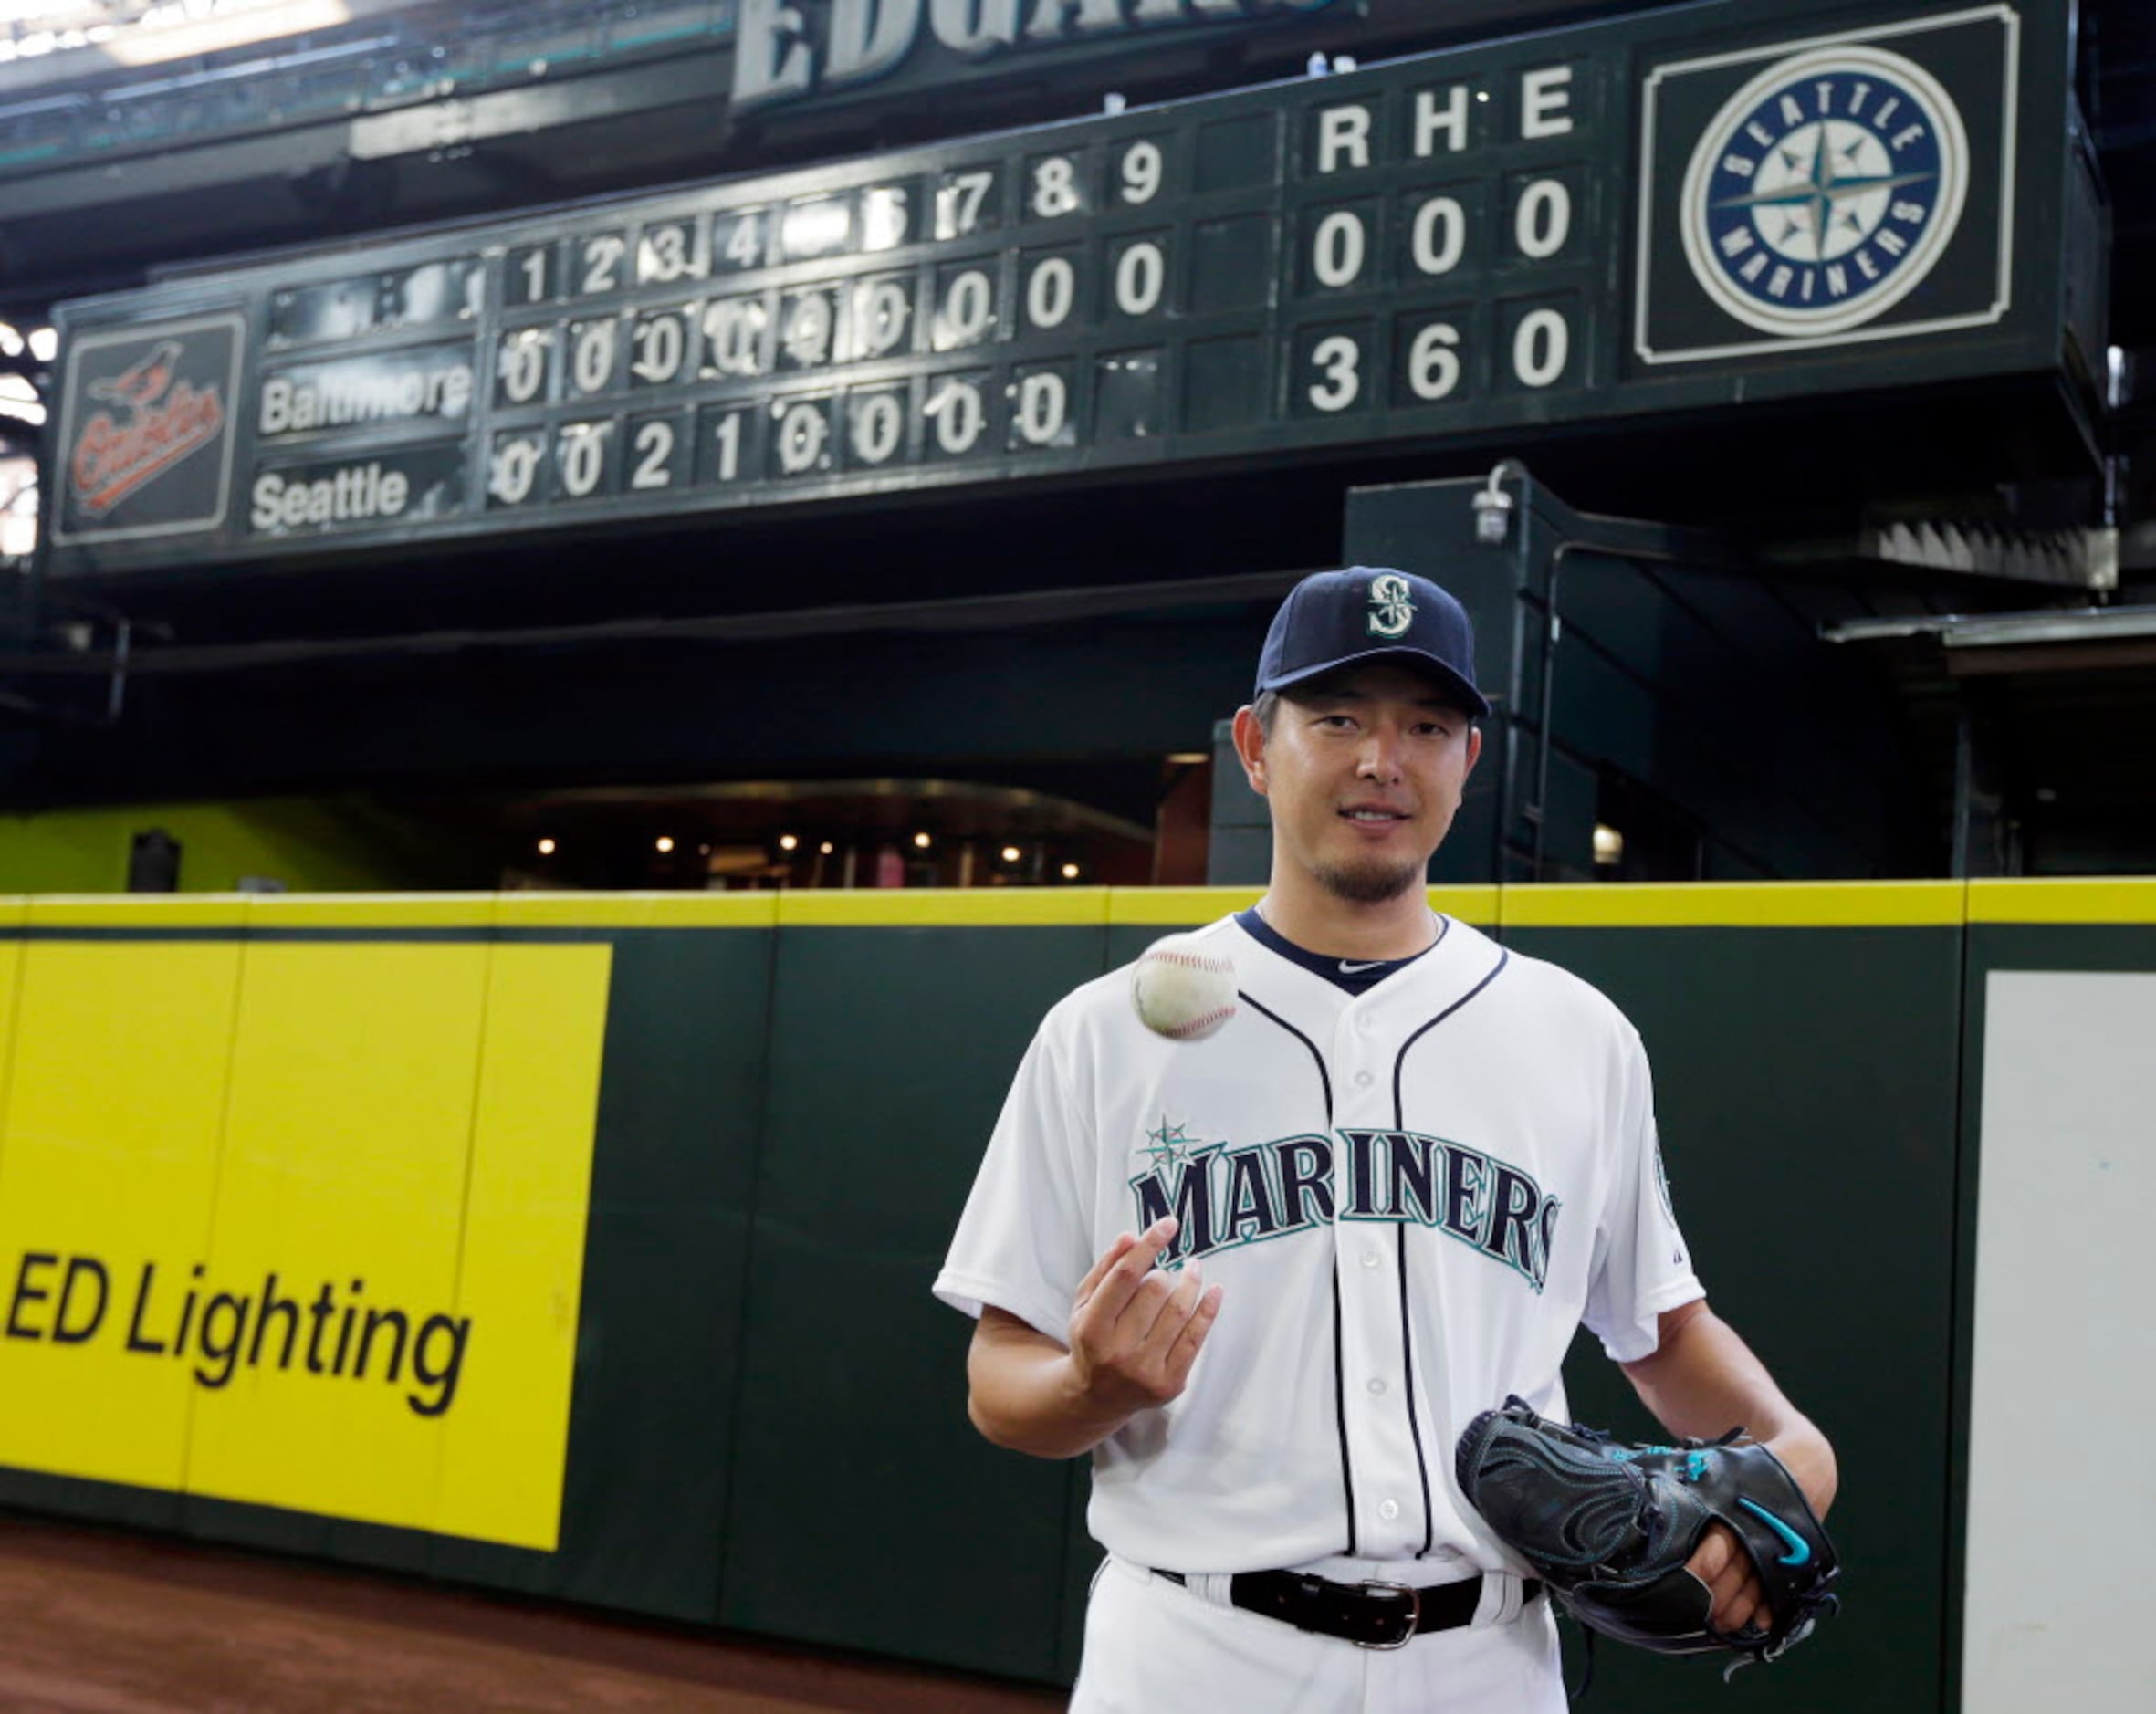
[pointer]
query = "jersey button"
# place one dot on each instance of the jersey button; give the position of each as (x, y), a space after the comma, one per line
(1369, 1259)
(1389, 1511)
(1361, 1080)
(1376, 1387)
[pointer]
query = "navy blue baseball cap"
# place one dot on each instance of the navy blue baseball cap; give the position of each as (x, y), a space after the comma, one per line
(1368, 613)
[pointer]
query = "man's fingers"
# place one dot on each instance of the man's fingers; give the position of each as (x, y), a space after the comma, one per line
(1747, 1603)
(1153, 1238)
(1191, 1340)
(1732, 1578)
(1099, 1271)
(1729, 1595)
(1732, 1585)
(1174, 1311)
(1733, 1590)
(1175, 1343)
(1131, 1323)
(1134, 1327)
(1716, 1553)
(1123, 1276)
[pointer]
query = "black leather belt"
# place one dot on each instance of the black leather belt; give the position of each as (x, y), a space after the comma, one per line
(1369, 1614)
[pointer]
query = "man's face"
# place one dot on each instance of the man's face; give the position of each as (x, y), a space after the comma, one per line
(1364, 770)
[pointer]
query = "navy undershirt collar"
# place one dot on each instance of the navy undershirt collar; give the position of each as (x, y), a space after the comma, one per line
(1353, 975)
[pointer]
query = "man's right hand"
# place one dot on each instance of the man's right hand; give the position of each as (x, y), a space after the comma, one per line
(1136, 1329)
(1134, 1332)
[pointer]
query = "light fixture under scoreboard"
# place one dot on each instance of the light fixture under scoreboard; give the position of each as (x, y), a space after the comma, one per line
(1482, 241)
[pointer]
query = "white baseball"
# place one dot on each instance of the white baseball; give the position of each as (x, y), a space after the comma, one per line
(1181, 990)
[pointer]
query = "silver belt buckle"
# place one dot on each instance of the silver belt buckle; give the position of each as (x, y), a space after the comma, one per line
(1412, 1595)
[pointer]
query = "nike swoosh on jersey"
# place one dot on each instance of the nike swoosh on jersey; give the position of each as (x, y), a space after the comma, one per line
(1356, 969)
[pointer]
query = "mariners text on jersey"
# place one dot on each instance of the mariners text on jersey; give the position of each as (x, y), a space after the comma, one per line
(1223, 1196)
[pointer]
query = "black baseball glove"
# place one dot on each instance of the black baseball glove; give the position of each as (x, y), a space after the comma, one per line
(1610, 1528)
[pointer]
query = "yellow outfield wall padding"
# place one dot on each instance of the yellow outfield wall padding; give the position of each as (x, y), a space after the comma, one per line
(1737, 905)
(11, 972)
(108, 1148)
(1477, 905)
(1702, 904)
(300, 1224)
(1188, 907)
(977, 907)
(13, 911)
(372, 910)
(2120, 900)
(520, 1275)
(342, 1182)
(636, 910)
(138, 911)
(1176, 907)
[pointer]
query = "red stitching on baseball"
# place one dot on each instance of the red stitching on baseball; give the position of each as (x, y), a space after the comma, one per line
(1197, 1025)
(1195, 960)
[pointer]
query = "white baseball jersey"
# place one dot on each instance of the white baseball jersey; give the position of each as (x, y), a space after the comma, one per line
(1412, 1197)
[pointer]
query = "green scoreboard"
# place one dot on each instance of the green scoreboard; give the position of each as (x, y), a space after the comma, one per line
(1681, 210)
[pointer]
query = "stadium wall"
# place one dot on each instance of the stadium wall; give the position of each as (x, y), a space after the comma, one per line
(579, 1244)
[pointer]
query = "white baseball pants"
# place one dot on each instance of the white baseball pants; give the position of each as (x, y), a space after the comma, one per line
(1153, 1647)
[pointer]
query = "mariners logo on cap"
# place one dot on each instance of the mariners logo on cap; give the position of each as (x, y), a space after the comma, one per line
(1391, 610)
(1825, 190)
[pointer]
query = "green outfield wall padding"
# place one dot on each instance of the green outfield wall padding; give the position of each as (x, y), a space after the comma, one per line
(662, 1335)
(856, 1465)
(99, 1502)
(1806, 1095)
(768, 1406)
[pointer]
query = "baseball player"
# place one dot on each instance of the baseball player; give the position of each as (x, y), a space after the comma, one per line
(1266, 1279)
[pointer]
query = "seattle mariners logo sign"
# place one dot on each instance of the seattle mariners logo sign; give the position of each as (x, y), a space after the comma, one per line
(1825, 190)
(1819, 193)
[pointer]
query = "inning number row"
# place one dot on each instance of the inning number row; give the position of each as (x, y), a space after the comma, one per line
(961, 203)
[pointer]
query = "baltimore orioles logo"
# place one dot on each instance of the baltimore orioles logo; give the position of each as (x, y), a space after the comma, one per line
(160, 419)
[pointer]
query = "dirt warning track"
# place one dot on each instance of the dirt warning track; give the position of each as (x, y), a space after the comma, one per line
(98, 1622)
